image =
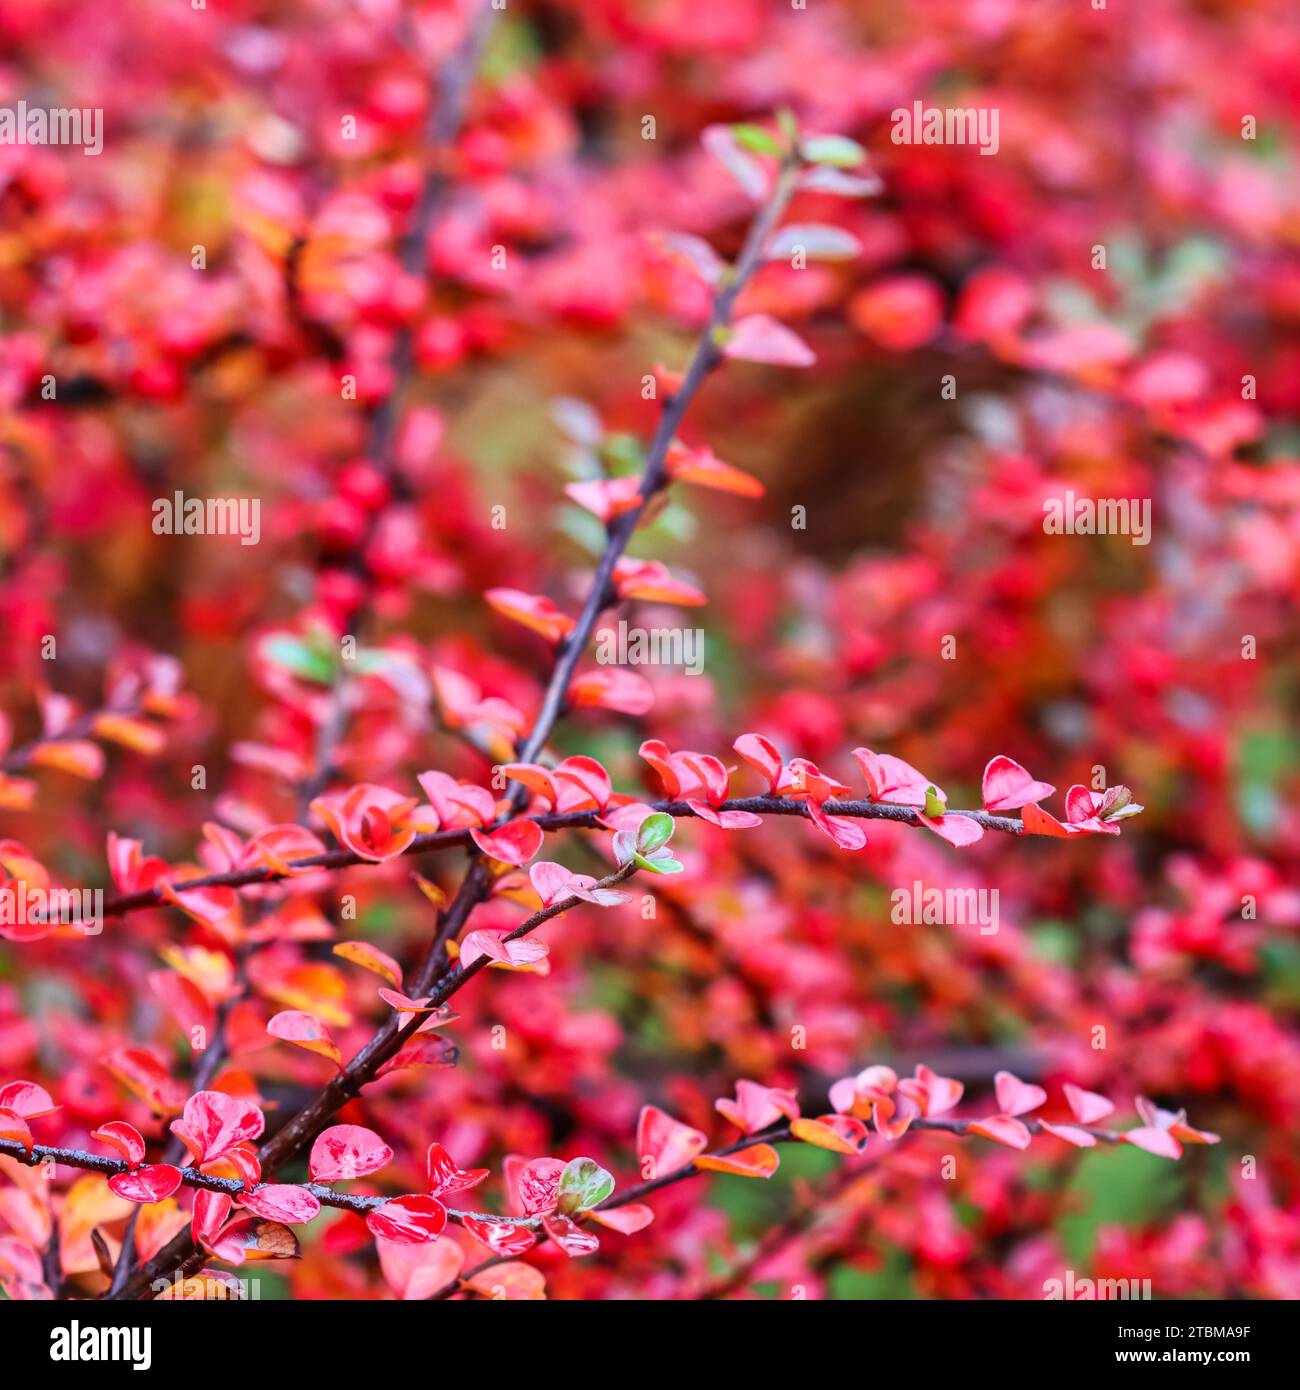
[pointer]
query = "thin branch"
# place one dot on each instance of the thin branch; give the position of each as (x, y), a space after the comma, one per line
(191, 1260)
(779, 1135)
(474, 887)
(344, 1087)
(436, 840)
(233, 1187)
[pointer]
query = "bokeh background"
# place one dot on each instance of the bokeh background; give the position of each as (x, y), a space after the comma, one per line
(896, 516)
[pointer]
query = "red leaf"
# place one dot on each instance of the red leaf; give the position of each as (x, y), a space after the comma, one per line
(27, 1099)
(1007, 786)
(636, 1216)
(282, 1202)
(213, 1122)
(760, 338)
(413, 1272)
(501, 1237)
(210, 1212)
(411, 1220)
(369, 820)
(445, 1177)
(1087, 1106)
(1155, 1141)
(1038, 822)
(143, 1072)
(935, 1094)
(515, 843)
(569, 1236)
(430, 1052)
(125, 1138)
(15, 1128)
(756, 1107)
(509, 1283)
(1080, 1138)
(184, 1000)
(152, 1183)
(551, 881)
(761, 755)
(582, 784)
(900, 312)
(891, 779)
(1002, 1129)
(343, 1152)
(1016, 1097)
(847, 834)
(404, 1004)
(957, 830)
(624, 692)
(667, 1143)
(607, 497)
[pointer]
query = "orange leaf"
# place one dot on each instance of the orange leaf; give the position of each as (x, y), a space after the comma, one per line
(532, 610)
(430, 890)
(370, 957)
(704, 468)
(16, 793)
(306, 1031)
(15, 1128)
(636, 1216)
(757, 1161)
(137, 734)
(511, 1282)
(78, 756)
(839, 1133)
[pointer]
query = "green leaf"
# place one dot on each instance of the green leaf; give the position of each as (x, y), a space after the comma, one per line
(623, 452)
(837, 150)
(584, 1183)
(755, 139)
(661, 863)
(1280, 965)
(654, 832)
(934, 808)
(298, 659)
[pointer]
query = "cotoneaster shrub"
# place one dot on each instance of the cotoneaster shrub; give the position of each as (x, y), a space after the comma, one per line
(479, 308)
